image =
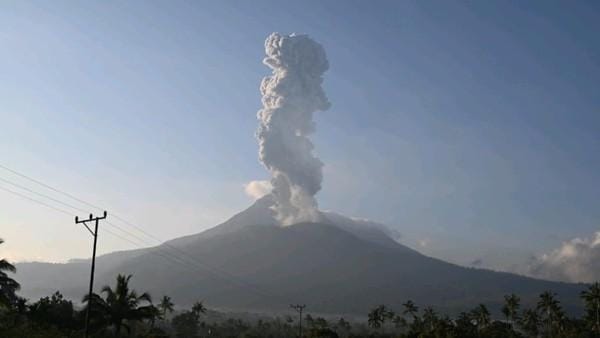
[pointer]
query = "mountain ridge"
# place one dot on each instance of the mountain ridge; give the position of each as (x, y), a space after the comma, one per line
(338, 266)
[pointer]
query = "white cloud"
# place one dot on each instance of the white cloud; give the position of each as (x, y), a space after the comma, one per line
(257, 189)
(577, 260)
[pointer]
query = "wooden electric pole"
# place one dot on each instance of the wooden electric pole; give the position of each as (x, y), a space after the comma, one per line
(299, 308)
(95, 235)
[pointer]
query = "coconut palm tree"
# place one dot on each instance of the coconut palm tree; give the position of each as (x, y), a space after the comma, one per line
(8, 286)
(378, 316)
(165, 306)
(510, 309)
(399, 321)
(481, 316)
(430, 318)
(198, 308)
(591, 296)
(121, 305)
(411, 309)
(464, 325)
(550, 308)
(530, 321)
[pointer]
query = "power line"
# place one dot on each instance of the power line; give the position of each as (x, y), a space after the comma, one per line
(75, 198)
(140, 240)
(63, 204)
(113, 215)
(47, 186)
(42, 195)
(177, 258)
(144, 243)
(36, 201)
(71, 196)
(151, 250)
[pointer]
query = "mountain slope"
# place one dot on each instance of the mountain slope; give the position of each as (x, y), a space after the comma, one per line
(342, 267)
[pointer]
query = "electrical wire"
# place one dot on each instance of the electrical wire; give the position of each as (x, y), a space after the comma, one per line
(189, 260)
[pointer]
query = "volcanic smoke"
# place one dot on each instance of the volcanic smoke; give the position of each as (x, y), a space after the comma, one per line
(290, 96)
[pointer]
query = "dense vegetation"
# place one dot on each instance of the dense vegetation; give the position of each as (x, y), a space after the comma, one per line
(121, 312)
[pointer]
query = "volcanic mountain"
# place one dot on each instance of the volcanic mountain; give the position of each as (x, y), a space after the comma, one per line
(339, 265)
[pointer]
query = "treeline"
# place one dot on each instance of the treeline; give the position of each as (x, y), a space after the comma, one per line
(119, 311)
(546, 319)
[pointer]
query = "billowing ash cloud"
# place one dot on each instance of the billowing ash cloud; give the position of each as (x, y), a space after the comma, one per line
(290, 96)
(577, 260)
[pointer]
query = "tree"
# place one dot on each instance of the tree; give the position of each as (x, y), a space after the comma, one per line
(186, 324)
(464, 326)
(378, 316)
(399, 322)
(430, 318)
(591, 297)
(54, 311)
(8, 286)
(530, 321)
(120, 305)
(411, 309)
(198, 308)
(343, 326)
(481, 316)
(165, 306)
(550, 309)
(510, 309)
(320, 328)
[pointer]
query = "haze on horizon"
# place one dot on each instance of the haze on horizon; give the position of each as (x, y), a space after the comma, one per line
(473, 136)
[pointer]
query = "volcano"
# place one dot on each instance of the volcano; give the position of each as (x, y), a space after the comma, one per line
(338, 266)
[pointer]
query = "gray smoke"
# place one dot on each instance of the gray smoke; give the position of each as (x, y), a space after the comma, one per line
(290, 96)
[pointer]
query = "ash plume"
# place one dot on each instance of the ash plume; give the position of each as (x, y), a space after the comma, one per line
(290, 96)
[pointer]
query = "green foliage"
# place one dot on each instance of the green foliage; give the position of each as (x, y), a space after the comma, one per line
(551, 313)
(121, 311)
(165, 306)
(510, 309)
(8, 286)
(55, 312)
(120, 307)
(591, 298)
(530, 322)
(379, 315)
(186, 324)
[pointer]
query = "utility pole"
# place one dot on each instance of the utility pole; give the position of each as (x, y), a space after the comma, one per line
(95, 235)
(299, 308)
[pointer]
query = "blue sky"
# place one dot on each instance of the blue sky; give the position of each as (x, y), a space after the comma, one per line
(471, 127)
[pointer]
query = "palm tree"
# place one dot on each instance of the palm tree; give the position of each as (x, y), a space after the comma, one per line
(8, 286)
(430, 318)
(378, 315)
(399, 321)
(411, 309)
(511, 308)
(198, 308)
(464, 325)
(550, 307)
(481, 315)
(165, 306)
(344, 325)
(121, 305)
(591, 296)
(530, 321)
